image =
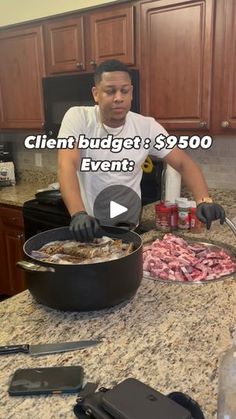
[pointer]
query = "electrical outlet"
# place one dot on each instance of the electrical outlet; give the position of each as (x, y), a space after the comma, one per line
(38, 159)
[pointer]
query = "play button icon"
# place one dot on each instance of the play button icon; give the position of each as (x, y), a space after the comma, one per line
(117, 205)
(116, 209)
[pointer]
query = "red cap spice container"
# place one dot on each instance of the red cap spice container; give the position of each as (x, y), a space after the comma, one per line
(163, 214)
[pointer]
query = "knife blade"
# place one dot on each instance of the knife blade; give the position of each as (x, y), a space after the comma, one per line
(48, 348)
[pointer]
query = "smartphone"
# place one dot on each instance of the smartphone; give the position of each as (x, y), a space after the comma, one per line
(132, 399)
(50, 380)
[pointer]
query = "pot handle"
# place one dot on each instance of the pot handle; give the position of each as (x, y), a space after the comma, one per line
(33, 267)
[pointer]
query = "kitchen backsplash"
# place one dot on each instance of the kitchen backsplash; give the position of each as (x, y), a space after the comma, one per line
(218, 163)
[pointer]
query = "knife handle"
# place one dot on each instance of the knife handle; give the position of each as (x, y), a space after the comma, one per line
(13, 349)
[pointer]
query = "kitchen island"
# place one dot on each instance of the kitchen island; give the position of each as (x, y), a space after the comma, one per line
(170, 336)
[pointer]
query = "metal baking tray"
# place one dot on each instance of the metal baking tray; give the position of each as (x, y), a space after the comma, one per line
(214, 246)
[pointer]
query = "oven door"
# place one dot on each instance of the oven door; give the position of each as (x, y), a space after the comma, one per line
(39, 217)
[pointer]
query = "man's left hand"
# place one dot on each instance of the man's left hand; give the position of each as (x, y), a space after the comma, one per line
(208, 212)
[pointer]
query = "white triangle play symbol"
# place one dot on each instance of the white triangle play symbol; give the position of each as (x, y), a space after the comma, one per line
(116, 209)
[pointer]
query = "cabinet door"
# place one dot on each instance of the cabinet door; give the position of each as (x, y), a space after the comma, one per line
(176, 52)
(21, 71)
(112, 35)
(64, 43)
(224, 74)
(11, 240)
(4, 278)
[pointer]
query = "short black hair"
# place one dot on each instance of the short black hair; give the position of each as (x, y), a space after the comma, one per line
(110, 65)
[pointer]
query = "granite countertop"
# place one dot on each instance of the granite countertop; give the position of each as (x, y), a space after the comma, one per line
(18, 194)
(170, 336)
(26, 188)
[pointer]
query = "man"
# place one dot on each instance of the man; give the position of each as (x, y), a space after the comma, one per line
(111, 115)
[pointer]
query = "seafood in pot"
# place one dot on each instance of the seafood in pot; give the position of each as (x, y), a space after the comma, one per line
(73, 252)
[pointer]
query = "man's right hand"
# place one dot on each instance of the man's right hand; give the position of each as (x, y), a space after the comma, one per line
(84, 227)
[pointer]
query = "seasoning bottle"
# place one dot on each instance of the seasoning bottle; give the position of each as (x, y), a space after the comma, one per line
(227, 385)
(177, 203)
(162, 217)
(195, 223)
(179, 200)
(173, 215)
(184, 215)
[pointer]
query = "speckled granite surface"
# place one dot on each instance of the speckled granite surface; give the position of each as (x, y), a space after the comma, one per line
(170, 336)
(17, 195)
(24, 190)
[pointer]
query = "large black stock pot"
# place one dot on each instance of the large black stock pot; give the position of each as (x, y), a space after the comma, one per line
(83, 287)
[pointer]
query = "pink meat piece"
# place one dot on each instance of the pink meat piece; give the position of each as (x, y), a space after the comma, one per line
(196, 247)
(198, 275)
(173, 259)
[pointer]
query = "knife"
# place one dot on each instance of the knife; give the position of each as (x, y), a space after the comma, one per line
(48, 348)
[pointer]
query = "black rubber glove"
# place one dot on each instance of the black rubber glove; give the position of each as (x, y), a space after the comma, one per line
(208, 212)
(84, 227)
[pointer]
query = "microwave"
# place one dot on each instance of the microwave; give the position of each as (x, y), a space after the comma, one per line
(62, 92)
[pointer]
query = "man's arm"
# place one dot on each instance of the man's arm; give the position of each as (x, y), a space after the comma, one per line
(190, 172)
(68, 161)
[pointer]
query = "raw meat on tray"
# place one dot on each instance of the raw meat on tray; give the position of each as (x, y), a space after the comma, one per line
(174, 259)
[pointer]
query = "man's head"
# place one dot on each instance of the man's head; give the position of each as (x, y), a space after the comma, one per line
(113, 91)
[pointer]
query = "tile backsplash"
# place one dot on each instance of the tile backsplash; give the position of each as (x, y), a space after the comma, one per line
(218, 163)
(24, 158)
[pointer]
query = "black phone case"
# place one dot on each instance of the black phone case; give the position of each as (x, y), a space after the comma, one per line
(93, 406)
(25, 382)
(132, 399)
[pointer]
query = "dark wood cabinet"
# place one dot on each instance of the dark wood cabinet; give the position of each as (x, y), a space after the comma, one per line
(82, 42)
(12, 278)
(112, 34)
(21, 70)
(64, 45)
(176, 62)
(224, 69)
(4, 280)
(185, 51)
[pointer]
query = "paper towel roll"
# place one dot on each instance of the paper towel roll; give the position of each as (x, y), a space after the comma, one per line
(172, 184)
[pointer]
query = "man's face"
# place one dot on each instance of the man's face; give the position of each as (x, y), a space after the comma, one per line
(113, 95)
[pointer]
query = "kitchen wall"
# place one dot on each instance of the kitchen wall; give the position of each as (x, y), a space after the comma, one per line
(218, 163)
(14, 11)
(24, 159)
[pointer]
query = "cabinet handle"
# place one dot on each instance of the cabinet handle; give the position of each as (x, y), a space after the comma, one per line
(93, 63)
(20, 236)
(50, 132)
(79, 65)
(203, 124)
(43, 124)
(225, 124)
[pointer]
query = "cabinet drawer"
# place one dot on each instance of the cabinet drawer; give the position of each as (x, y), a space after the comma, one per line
(11, 217)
